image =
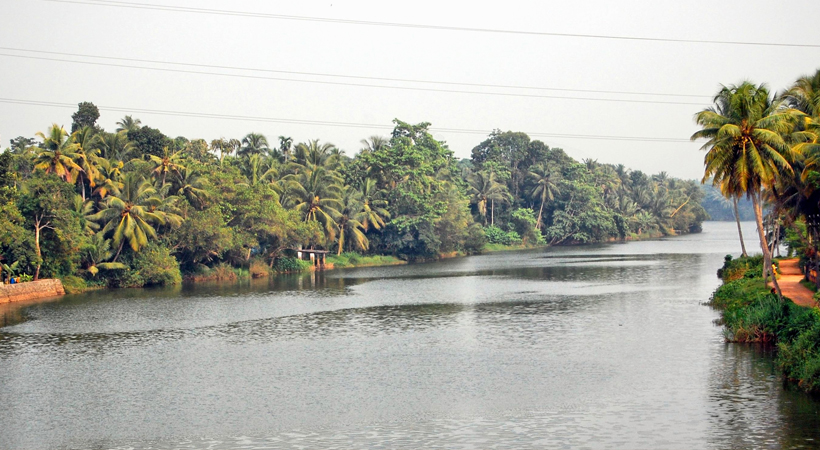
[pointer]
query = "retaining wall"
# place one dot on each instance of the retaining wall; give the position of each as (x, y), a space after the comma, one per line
(31, 290)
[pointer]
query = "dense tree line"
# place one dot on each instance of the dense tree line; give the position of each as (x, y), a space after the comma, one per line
(134, 207)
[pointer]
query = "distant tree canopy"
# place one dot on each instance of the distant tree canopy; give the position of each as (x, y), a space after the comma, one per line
(136, 207)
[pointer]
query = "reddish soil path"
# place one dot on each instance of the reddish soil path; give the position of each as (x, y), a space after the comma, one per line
(790, 277)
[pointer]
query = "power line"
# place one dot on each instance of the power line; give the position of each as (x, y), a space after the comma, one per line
(333, 123)
(358, 77)
(339, 83)
(148, 6)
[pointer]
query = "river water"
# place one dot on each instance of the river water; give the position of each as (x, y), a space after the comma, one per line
(604, 346)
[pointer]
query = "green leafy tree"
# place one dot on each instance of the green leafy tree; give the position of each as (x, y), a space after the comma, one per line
(86, 116)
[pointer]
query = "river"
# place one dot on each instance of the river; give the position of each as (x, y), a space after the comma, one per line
(606, 346)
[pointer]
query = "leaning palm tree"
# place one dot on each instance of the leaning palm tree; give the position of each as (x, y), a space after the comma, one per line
(745, 147)
(58, 153)
(484, 191)
(254, 144)
(546, 180)
(128, 215)
(349, 220)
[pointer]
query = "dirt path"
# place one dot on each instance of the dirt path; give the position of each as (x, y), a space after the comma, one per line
(790, 276)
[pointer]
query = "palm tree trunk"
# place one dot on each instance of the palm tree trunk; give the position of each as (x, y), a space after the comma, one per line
(341, 240)
(118, 251)
(492, 212)
(37, 248)
(540, 213)
(767, 255)
(739, 230)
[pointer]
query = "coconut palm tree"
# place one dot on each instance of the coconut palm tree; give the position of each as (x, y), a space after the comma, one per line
(127, 124)
(546, 180)
(115, 146)
(314, 154)
(316, 194)
(58, 153)
(87, 157)
(110, 178)
(129, 215)
(374, 207)
(189, 184)
(285, 147)
(351, 212)
(254, 144)
(97, 252)
(484, 191)
(169, 162)
(745, 147)
(374, 143)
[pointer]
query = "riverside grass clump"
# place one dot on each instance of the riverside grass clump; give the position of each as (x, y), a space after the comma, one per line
(751, 313)
(351, 259)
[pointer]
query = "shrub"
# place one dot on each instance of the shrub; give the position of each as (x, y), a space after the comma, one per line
(496, 235)
(290, 264)
(152, 266)
(259, 269)
(73, 285)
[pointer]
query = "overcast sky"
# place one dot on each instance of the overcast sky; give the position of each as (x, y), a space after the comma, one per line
(265, 40)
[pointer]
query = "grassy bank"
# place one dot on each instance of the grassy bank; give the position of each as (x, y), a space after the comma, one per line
(349, 259)
(752, 314)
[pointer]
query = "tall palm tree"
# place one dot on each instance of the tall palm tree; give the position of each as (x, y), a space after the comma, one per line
(374, 207)
(745, 147)
(189, 184)
(127, 124)
(115, 146)
(316, 194)
(484, 191)
(351, 212)
(546, 179)
(87, 157)
(58, 153)
(314, 154)
(254, 144)
(169, 162)
(374, 143)
(110, 178)
(285, 147)
(128, 215)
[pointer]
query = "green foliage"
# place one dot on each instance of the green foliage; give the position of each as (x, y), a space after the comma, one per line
(152, 266)
(496, 235)
(290, 264)
(74, 285)
(352, 259)
(744, 267)
(149, 141)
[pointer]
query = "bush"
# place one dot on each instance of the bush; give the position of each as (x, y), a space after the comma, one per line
(73, 285)
(289, 264)
(259, 269)
(152, 266)
(496, 235)
(476, 239)
(744, 267)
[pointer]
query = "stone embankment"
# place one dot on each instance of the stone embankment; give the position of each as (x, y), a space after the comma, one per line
(30, 291)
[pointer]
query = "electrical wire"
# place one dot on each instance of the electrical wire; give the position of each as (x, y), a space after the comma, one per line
(358, 77)
(333, 123)
(149, 6)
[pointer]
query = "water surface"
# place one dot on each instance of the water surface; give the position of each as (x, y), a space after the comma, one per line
(586, 347)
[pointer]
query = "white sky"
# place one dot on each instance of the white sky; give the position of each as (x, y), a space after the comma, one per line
(407, 53)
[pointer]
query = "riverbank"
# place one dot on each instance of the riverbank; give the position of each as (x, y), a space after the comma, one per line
(32, 290)
(751, 313)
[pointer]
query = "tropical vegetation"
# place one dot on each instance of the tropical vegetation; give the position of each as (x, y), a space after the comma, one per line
(135, 207)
